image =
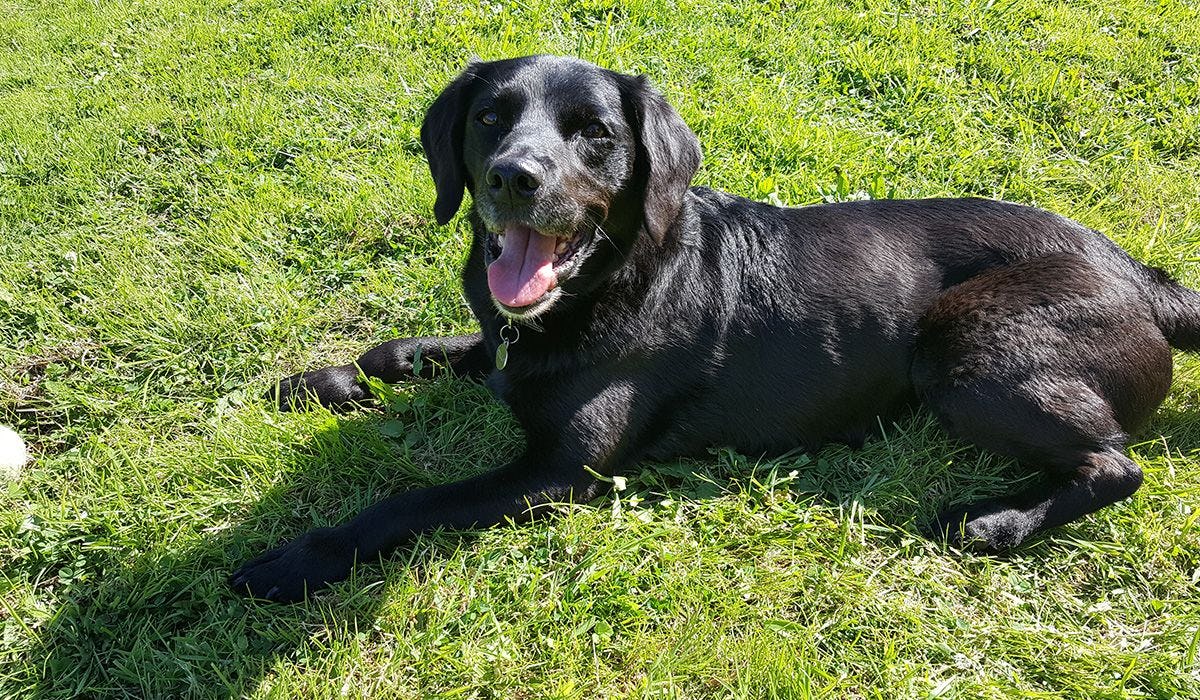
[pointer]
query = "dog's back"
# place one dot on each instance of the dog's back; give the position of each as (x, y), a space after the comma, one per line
(845, 286)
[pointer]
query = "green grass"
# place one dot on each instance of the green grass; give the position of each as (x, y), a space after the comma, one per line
(197, 197)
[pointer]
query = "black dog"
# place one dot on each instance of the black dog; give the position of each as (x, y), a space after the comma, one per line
(656, 320)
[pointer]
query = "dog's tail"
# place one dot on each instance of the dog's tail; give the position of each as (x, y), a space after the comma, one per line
(1177, 310)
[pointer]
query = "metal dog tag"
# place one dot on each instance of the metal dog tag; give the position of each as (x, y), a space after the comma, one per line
(502, 355)
(505, 341)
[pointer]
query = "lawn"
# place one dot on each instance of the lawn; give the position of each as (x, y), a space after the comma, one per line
(200, 196)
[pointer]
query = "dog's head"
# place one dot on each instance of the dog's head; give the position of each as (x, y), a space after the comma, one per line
(567, 163)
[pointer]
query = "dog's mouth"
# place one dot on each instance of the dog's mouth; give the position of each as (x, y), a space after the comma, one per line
(526, 264)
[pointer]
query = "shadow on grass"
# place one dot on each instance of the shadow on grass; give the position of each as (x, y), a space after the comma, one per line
(164, 624)
(1171, 430)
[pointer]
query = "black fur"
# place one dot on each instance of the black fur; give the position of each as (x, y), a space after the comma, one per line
(689, 318)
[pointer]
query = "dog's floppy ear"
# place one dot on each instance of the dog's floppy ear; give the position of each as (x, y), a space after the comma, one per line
(668, 153)
(442, 137)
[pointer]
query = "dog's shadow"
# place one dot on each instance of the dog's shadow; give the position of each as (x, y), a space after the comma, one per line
(166, 625)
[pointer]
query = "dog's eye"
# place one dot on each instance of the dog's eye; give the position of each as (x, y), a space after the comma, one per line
(488, 117)
(595, 130)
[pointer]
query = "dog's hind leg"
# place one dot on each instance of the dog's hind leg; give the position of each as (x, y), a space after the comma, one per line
(1098, 478)
(1052, 362)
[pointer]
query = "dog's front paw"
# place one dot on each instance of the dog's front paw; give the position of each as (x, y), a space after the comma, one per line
(290, 573)
(335, 388)
(980, 528)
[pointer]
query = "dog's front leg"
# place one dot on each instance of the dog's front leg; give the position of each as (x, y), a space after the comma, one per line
(339, 387)
(326, 555)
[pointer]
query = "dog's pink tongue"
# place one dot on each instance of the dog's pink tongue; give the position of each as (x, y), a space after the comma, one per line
(524, 272)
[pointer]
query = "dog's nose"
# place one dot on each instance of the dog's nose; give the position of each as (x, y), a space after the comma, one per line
(514, 181)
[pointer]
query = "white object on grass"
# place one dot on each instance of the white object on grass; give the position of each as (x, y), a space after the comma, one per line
(13, 454)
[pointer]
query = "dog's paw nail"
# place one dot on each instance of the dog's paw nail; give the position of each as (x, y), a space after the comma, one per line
(271, 593)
